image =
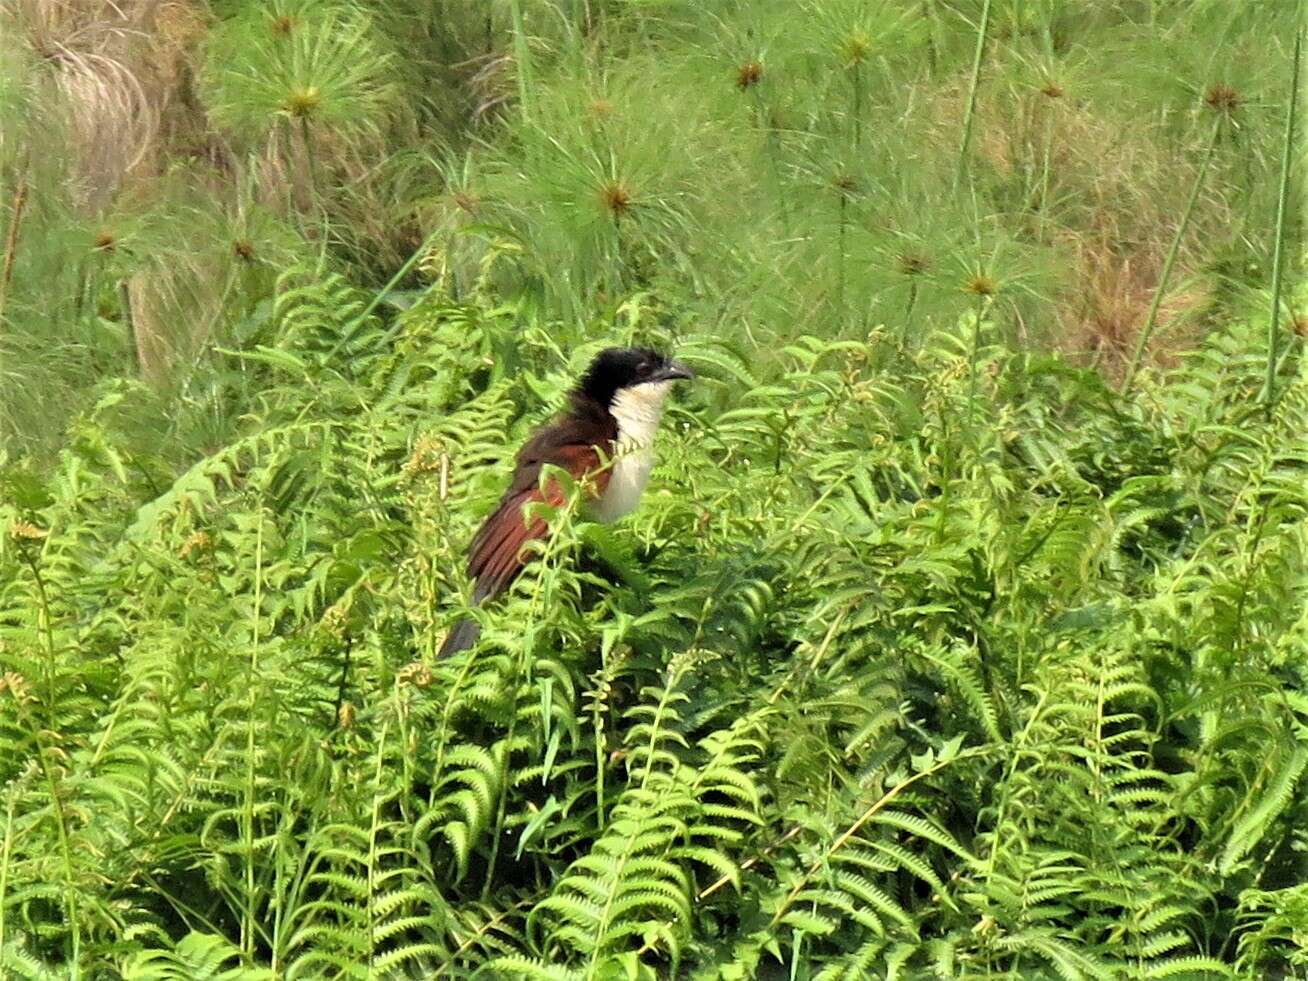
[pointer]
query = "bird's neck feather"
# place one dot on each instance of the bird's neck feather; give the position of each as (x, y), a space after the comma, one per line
(637, 411)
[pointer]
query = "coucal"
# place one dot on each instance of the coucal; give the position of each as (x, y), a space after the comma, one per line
(605, 438)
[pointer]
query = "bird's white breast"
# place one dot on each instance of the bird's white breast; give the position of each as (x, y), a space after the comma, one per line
(637, 411)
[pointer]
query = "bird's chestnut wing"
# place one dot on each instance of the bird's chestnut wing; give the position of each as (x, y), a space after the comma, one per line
(496, 556)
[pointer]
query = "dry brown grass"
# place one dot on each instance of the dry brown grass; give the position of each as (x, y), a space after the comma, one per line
(118, 69)
(160, 300)
(1109, 301)
(1114, 196)
(117, 75)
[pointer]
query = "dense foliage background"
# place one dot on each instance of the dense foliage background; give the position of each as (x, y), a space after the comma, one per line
(961, 633)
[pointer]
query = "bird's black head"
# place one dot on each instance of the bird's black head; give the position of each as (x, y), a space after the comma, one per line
(616, 368)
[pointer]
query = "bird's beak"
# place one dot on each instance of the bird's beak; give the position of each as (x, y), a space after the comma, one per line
(675, 370)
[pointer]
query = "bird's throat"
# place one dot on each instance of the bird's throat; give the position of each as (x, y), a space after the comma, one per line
(637, 411)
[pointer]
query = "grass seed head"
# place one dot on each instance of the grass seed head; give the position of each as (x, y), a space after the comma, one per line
(243, 249)
(465, 201)
(284, 25)
(749, 74)
(912, 263)
(615, 197)
(981, 285)
(302, 102)
(1222, 98)
(105, 241)
(855, 48)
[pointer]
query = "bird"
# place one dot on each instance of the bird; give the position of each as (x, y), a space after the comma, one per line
(604, 439)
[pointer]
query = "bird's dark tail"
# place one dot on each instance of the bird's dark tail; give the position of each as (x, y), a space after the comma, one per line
(463, 635)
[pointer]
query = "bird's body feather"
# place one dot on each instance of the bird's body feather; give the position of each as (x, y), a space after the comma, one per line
(574, 444)
(604, 440)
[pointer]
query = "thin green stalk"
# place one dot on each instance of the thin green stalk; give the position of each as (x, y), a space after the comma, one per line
(1045, 171)
(400, 273)
(4, 861)
(858, 104)
(975, 82)
(288, 136)
(840, 269)
(43, 752)
(602, 687)
(45, 628)
(1269, 384)
(247, 821)
(374, 852)
(11, 242)
(906, 328)
(341, 684)
(581, 16)
(774, 155)
(521, 669)
(79, 297)
(617, 264)
(502, 772)
(947, 453)
(977, 315)
(311, 163)
(129, 321)
(1152, 321)
(824, 858)
(92, 285)
(522, 56)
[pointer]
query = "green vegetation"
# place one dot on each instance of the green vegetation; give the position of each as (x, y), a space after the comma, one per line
(961, 633)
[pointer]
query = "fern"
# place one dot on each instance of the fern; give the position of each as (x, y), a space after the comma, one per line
(874, 694)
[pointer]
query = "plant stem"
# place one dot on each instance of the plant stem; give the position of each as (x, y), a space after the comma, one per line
(311, 164)
(289, 153)
(1044, 177)
(79, 299)
(4, 859)
(976, 355)
(774, 156)
(840, 269)
(906, 328)
(247, 822)
(858, 105)
(823, 860)
(1269, 384)
(344, 680)
(970, 113)
(522, 56)
(11, 242)
(45, 628)
(125, 301)
(616, 266)
(1151, 321)
(400, 273)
